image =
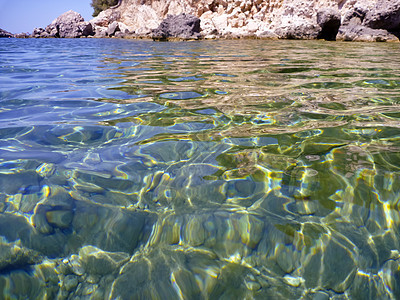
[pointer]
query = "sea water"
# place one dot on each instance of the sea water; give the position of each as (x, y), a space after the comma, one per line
(229, 169)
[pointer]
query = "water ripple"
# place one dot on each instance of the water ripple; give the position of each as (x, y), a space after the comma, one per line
(211, 169)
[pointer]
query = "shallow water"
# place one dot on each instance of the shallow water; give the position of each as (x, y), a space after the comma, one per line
(199, 170)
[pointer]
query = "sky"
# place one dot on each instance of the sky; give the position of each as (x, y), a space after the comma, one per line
(17, 16)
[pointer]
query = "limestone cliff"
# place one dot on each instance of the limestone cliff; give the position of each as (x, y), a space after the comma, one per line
(262, 18)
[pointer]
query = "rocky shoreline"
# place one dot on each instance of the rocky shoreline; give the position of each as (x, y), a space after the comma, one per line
(5, 34)
(345, 20)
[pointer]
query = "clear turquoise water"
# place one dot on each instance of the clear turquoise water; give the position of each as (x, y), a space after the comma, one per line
(201, 170)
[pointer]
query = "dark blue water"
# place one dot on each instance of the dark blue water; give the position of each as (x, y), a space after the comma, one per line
(242, 169)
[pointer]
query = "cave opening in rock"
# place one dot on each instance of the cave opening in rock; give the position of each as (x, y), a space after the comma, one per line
(329, 31)
(329, 21)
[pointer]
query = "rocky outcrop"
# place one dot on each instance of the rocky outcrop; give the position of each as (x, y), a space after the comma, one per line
(112, 28)
(69, 25)
(379, 22)
(384, 15)
(293, 19)
(182, 26)
(348, 20)
(22, 35)
(329, 21)
(5, 34)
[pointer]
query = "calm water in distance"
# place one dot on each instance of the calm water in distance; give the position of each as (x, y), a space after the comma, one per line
(241, 169)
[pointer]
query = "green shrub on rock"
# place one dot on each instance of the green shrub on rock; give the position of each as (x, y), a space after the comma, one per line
(100, 5)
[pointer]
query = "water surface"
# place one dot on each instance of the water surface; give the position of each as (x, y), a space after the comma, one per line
(199, 170)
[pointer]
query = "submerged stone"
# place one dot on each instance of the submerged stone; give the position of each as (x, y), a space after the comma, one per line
(251, 230)
(46, 272)
(318, 295)
(161, 273)
(13, 227)
(51, 245)
(391, 277)
(312, 270)
(108, 228)
(20, 285)
(15, 183)
(98, 262)
(76, 265)
(54, 212)
(14, 257)
(293, 281)
(339, 267)
(59, 218)
(368, 286)
(286, 257)
(69, 283)
(194, 232)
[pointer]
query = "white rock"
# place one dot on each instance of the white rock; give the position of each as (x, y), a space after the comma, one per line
(220, 22)
(252, 26)
(275, 15)
(293, 281)
(123, 28)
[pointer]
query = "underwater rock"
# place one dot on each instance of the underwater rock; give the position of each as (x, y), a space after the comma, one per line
(19, 182)
(70, 282)
(59, 218)
(339, 267)
(54, 212)
(172, 271)
(51, 245)
(137, 281)
(14, 228)
(46, 272)
(14, 257)
(312, 270)
(391, 275)
(75, 263)
(318, 295)
(241, 233)
(368, 286)
(98, 262)
(165, 273)
(108, 228)
(21, 285)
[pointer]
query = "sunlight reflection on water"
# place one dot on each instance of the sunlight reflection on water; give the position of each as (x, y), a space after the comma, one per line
(200, 170)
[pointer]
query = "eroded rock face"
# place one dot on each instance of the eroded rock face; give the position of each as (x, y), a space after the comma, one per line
(356, 20)
(181, 26)
(329, 21)
(379, 22)
(384, 15)
(322, 19)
